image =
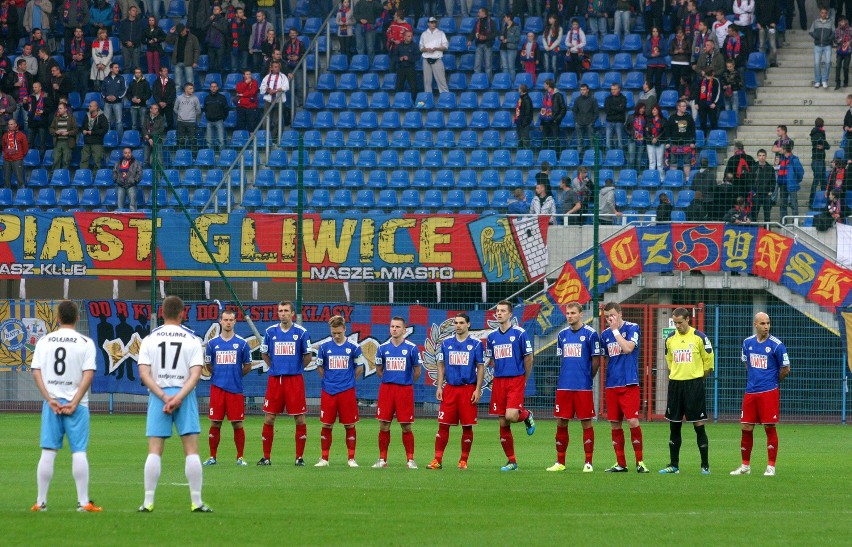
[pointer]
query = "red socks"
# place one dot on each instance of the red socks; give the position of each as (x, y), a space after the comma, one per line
(240, 441)
(746, 444)
(325, 441)
(351, 438)
(301, 439)
(561, 443)
(213, 440)
(267, 435)
(466, 441)
(441, 440)
(523, 414)
(384, 442)
(636, 439)
(408, 443)
(508, 443)
(589, 443)
(618, 445)
(772, 444)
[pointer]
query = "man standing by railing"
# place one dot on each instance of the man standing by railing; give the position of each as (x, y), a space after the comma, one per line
(273, 85)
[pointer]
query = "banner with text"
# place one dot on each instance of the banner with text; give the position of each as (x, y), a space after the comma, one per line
(255, 246)
(118, 327)
(716, 247)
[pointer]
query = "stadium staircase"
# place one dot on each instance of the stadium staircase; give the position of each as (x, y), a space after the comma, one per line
(788, 97)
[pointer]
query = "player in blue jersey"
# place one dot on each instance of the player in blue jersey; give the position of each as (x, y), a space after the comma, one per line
(620, 343)
(579, 349)
(510, 352)
(228, 357)
(461, 364)
(286, 351)
(170, 361)
(398, 364)
(338, 369)
(767, 364)
(63, 368)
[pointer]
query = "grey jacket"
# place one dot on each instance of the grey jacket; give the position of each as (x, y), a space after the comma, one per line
(822, 32)
(585, 110)
(134, 174)
(187, 108)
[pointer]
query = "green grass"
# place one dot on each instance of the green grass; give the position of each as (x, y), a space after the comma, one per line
(806, 503)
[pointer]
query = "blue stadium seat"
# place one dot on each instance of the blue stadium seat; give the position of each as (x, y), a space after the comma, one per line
(513, 178)
(632, 43)
(379, 101)
(399, 179)
(60, 178)
(534, 25)
(633, 81)
(490, 139)
(673, 179)
(468, 139)
(479, 120)
(433, 199)
(287, 178)
(650, 179)
(410, 159)
(524, 158)
(91, 198)
(348, 81)
(467, 25)
(502, 120)
(434, 158)
(338, 63)
(610, 78)
(354, 178)
(252, 198)
(378, 139)
(342, 198)
(543, 77)
(479, 159)
(547, 155)
(501, 158)
(387, 199)
(467, 179)
(400, 139)
(569, 158)
(614, 158)
(369, 120)
(388, 159)
(640, 199)
(46, 197)
(343, 159)
(402, 101)
(456, 159)
(567, 81)
(265, 178)
(620, 199)
(434, 120)
(200, 197)
(320, 199)
(500, 81)
(523, 78)
(500, 199)
(303, 120)
(591, 79)
(611, 43)
(388, 82)
(656, 201)
(359, 63)
(422, 178)
(622, 61)
(756, 61)
(325, 82)
(445, 179)
(380, 64)
(456, 120)
(322, 158)
(457, 82)
(412, 121)
(668, 98)
(684, 199)
(728, 119)
(589, 158)
(455, 200)
(446, 101)
(457, 44)
(369, 82)
(422, 139)
(182, 158)
(712, 159)
(367, 159)
(390, 120)
(82, 178)
(206, 157)
(591, 44)
(410, 199)
(627, 178)
(424, 101)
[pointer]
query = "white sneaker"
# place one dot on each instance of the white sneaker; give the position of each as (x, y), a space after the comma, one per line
(825, 85)
(742, 470)
(770, 471)
(587, 468)
(380, 464)
(352, 463)
(816, 85)
(412, 464)
(321, 463)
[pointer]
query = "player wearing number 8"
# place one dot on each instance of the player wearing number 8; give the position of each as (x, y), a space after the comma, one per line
(63, 367)
(689, 355)
(170, 360)
(338, 368)
(461, 363)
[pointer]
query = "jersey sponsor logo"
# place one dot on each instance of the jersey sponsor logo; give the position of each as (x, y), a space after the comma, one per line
(682, 356)
(758, 361)
(396, 364)
(572, 350)
(503, 351)
(613, 349)
(226, 357)
(338, 362)
(285, 348)
(459, 358)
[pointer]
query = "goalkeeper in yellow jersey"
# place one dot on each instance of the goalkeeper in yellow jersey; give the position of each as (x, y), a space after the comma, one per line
(689, 356)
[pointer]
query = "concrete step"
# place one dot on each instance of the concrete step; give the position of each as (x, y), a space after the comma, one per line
(792, 99)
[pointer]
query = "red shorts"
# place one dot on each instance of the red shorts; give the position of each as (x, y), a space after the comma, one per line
(395, 399)
(343, 405)
(622, 403)
(456, 406)
(224, 403)
(761, 408)
(285, 395)
(570, 403)
(507, 393)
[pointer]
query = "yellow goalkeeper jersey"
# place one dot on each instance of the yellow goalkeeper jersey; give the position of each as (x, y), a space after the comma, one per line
(689, 355)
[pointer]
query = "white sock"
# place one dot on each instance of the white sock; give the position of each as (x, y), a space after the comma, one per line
(44, 474)
(152, 476)
(193, 475)
(80, 471)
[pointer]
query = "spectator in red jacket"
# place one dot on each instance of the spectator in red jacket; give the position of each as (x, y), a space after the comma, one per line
(15, 148)
(247, 91)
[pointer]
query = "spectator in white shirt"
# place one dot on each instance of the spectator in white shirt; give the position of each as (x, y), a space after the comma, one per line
(433, 44)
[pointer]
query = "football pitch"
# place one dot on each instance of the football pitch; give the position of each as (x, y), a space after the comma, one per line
(807, 503)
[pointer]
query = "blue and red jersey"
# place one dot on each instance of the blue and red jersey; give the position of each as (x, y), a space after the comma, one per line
(286, 349)
(508, 350)
(227, 358)
(338, 363)
(621, 369)
(576, 350)
(763, 360)
(461, 360)
(398, 362)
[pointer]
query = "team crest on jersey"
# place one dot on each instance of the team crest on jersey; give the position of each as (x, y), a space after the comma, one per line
(348, 351)
(582, 339)
(295, 337)
(767, 349)
(469, 347)
(405, 352)
(511, 339)
(236, 346)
